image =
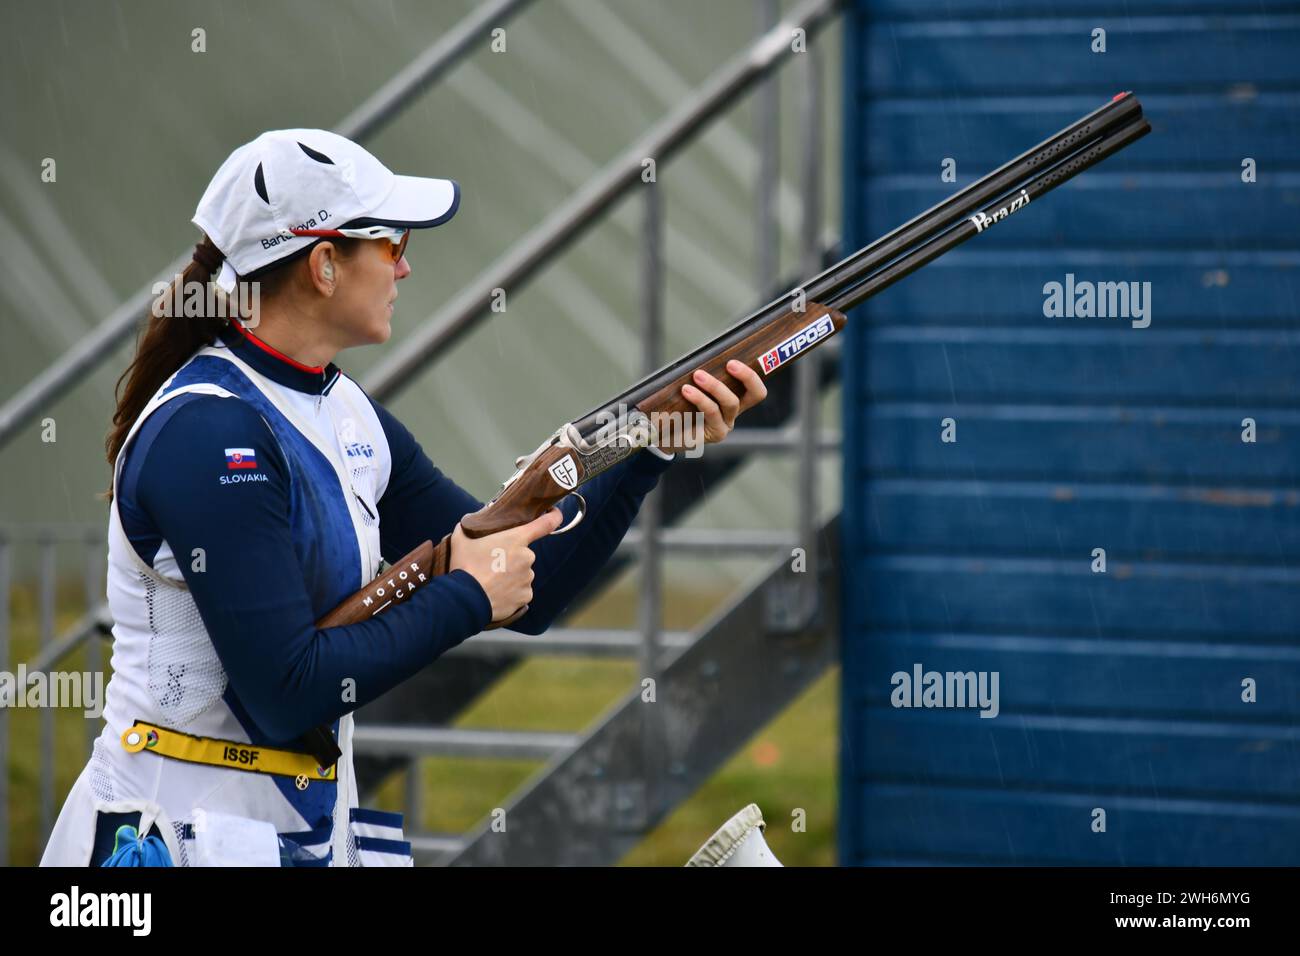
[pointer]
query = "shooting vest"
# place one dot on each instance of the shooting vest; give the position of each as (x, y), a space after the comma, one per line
(166, 670)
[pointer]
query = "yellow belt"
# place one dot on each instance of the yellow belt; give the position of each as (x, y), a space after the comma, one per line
(224, 753)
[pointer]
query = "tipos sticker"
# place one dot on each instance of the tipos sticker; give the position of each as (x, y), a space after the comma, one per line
(805, 338)
(565, 473)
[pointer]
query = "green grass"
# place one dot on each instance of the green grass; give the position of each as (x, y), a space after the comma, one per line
(786, 766)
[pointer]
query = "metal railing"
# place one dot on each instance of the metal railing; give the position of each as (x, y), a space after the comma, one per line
(649, 540)
(46, 542)
(562, 228)
(581, 211)
(363, 122)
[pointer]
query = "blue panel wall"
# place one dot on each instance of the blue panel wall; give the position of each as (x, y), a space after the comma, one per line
(1120, 690)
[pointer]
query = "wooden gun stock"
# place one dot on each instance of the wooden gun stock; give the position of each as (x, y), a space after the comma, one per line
(761, 350)
(394, 586)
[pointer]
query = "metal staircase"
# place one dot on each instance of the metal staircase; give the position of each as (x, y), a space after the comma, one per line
(599, 793)
(599, 796)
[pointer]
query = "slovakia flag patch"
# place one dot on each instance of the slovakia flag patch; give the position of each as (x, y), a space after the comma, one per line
(241, 458)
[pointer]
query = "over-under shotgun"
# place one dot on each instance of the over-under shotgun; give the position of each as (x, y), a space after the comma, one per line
(768, 340)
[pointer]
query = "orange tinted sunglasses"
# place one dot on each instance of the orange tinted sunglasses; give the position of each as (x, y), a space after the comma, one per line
(394, 249)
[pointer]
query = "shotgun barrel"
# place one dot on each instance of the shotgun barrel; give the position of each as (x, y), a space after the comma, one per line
(973, 225)
(1121, 113)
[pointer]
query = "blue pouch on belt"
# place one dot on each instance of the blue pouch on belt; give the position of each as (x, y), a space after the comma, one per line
(127, 848)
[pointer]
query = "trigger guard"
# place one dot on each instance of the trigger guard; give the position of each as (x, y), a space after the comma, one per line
(573, 522)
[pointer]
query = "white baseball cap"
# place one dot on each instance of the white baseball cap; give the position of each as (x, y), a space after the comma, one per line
(308, 179)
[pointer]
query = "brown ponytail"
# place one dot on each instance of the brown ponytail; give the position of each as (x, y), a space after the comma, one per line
(162, 348)
(171, 336)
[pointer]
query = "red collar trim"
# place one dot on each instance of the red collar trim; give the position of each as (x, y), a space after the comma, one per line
(270, 350)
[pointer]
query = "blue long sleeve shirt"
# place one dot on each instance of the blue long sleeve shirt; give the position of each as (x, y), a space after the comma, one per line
(251, 594)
